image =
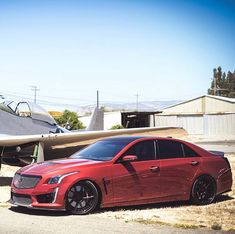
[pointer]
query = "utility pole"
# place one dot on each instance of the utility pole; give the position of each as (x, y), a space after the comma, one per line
(35, 89)
(97, 99)
(137, 101)
(215, 88)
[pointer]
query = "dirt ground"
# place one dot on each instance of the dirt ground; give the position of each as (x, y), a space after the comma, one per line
(219, 215)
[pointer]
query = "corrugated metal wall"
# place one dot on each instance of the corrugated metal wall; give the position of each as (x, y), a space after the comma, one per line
(193, 124)
(194, 106)
(221, 124)
(214, 105)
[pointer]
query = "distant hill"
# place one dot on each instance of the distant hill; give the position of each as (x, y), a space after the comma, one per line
(114, 106)
(142, 106)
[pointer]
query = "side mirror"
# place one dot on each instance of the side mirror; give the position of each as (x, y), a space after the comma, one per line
(129, 158)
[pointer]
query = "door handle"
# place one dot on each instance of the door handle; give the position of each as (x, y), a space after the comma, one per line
(154, 168)
(194, 163)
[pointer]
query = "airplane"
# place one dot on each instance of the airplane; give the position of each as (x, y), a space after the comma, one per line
(29, 134)
(28, 118)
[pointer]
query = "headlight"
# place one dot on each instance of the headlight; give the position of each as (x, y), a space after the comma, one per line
(54, 180)
(59, 178)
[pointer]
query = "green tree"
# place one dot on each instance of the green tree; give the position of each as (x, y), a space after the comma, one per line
(225, 83)
(69, 120)
(117, 126)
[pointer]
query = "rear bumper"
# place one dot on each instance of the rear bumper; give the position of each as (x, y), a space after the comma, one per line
(224, 182)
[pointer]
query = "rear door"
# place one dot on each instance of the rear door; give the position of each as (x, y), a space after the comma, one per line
(178, 166)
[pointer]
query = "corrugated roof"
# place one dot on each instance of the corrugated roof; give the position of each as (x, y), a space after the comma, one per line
(231, 100)
(222, 98)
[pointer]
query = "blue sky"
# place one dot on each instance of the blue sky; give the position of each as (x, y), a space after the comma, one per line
(163, 50)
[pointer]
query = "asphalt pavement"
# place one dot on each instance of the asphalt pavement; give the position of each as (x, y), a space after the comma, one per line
(226, 147)
(26, 221)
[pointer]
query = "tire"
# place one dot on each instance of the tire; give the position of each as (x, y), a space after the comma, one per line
(82, 198)
(203, 190)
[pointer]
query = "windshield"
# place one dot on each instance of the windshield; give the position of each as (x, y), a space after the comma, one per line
(39, 113)
(100, 151)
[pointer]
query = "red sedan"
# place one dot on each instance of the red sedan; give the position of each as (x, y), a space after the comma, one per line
(123, 171)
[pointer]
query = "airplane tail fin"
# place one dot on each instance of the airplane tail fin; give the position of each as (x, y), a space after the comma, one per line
(97, 120)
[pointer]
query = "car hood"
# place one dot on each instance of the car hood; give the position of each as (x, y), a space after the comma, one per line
(65, 165)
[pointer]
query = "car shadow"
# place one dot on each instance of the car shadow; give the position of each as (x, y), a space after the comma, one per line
(223, 197)
(175, 204)
(5, 181)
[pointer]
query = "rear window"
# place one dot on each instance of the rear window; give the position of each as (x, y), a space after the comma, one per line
(170, 149)
(189, 152)
(174, 149)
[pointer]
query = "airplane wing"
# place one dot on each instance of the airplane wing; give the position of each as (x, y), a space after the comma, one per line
(46, 141)
(71, 137)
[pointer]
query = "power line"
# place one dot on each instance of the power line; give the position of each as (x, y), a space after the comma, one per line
(19, 94)
(19, 97)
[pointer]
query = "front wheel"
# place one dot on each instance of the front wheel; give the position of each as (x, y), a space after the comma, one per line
(82, 198)
(203, 190)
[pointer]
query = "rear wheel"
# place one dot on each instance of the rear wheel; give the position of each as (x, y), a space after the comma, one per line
(82, 198)
(203, 190)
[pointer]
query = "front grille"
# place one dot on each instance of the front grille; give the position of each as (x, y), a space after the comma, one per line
(25, 181)
(20, 199)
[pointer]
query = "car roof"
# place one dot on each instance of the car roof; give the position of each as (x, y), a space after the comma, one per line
(128, 139)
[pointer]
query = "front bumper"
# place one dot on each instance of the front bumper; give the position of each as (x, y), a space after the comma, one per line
(52, 198)
(28, 192)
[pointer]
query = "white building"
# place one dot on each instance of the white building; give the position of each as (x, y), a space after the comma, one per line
(110, 119)
(208, 115)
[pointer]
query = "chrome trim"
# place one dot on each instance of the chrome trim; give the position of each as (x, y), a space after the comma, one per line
(55, 195)
(65, 175)
(223, 171)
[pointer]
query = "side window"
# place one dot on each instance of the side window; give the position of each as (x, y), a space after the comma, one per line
(188, 152)
(170, 149)
(144, 150)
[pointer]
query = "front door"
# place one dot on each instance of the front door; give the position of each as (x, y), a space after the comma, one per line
(138, 180)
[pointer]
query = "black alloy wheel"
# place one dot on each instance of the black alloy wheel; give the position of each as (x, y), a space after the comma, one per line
(203, 190)
(82, 198)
